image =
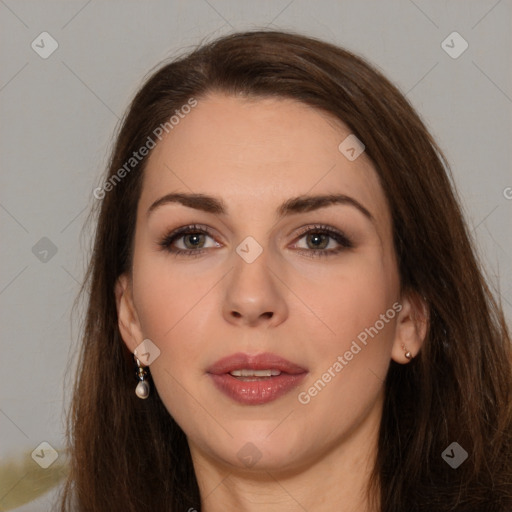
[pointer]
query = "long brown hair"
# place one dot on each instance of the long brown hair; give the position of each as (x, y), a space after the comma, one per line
(130, 455)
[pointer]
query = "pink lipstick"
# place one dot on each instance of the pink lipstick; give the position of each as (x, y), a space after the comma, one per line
(255, 379)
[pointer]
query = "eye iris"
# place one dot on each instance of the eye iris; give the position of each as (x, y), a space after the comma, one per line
(197, 240)
(318, 237)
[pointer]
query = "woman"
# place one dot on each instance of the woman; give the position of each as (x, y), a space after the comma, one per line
(282, 262)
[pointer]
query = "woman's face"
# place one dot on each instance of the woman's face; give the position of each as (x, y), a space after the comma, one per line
(250, 282)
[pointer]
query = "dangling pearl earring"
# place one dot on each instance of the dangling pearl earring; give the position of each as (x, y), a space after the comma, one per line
(142, 389)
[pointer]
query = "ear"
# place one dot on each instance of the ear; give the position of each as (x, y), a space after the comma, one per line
(411, 327)
(127, 318)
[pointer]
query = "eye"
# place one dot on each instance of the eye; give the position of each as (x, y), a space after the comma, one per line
(191, 238)
(320, 240)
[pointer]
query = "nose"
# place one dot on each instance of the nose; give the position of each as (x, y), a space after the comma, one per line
(254, 294)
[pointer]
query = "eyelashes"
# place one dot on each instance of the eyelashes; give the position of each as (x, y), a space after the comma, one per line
(195, 235)
(167, 242)
(322, 232)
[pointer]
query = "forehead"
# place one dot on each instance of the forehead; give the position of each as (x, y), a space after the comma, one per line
(246, 150)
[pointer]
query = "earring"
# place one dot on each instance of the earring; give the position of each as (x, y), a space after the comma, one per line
(142, 389)
(408, 355)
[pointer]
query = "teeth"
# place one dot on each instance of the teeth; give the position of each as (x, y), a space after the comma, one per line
(255, 373)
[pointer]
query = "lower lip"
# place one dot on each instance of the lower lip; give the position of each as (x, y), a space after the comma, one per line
(257, 392)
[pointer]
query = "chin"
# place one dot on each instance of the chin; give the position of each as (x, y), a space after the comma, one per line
(261, 451)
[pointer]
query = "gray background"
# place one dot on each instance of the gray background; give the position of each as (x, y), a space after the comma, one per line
(58, 115)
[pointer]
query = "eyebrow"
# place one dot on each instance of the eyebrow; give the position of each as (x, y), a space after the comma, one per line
(299, 204)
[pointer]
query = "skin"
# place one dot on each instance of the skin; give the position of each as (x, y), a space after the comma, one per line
(254, 154)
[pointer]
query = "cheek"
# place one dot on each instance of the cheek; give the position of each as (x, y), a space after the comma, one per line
(178, 310)
(352, 355)
(350, 298)
(171, 308)
(164, 292)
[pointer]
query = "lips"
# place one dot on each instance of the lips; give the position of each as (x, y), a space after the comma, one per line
(255, 379)
(265, 361)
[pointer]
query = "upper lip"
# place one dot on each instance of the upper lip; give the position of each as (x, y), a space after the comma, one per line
(265, 361)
